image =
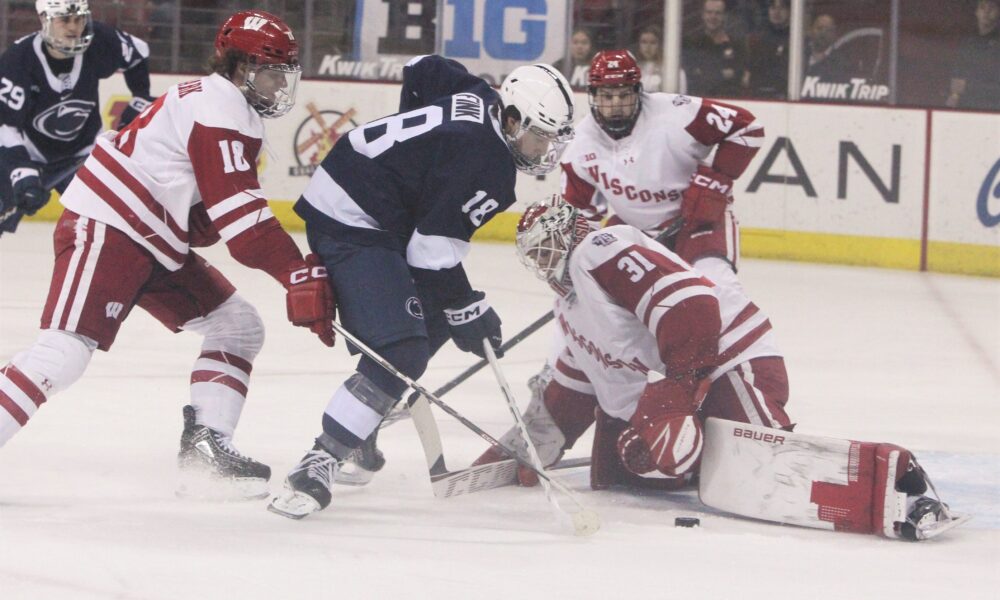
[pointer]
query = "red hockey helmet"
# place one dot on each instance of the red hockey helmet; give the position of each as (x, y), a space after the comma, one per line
(615, 91)
(273, 57)
(614, 67)
(263, 37)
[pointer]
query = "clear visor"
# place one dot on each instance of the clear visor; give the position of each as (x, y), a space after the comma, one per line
(69, 34)
(270, 89)
(537, 152)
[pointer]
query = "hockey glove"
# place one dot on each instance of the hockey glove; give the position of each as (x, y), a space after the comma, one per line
(705, 200)
(311, 302)
(471, 321)
(664, 434)
(135, 106)
(201, 230)
(27, 190)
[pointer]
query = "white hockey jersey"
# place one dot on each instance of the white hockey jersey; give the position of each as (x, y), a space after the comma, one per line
(641, 176)
(616, 326)
(198, 142)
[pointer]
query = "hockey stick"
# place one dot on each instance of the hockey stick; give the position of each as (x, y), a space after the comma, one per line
(401, 411)
(583, 521)
(425, 394)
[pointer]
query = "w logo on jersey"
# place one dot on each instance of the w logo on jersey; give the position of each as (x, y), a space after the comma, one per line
(254, 23)
(113, 309)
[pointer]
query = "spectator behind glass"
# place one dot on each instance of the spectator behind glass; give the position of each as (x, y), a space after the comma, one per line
(823, 60)
(649, 55)
(713, 60)
(581, 51)
(767, 54)
(975, 79)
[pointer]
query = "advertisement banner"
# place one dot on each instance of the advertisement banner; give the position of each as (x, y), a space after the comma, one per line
(390, 32)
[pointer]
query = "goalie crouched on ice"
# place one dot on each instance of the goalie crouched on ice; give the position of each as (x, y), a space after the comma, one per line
(651, 343)
(652, 350)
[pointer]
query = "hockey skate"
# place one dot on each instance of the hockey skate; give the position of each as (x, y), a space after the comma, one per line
(926, 517)
(307, 487)
(360, 467)
(211, 468)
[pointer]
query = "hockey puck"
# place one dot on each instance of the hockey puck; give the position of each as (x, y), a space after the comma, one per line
(687, 522)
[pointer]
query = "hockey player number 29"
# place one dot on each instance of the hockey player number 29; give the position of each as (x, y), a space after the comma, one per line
(380, 135)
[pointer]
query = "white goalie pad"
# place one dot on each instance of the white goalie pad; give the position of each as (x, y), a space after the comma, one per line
(811, 481)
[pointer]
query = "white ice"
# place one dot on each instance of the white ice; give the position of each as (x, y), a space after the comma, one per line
(87, 508)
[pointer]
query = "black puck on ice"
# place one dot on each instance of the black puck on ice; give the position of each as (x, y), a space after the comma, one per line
(687, 522)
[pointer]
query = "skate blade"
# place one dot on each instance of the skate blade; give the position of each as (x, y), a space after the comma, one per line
(937, 528)
(294, 505)
(199, 485)
(353, 474)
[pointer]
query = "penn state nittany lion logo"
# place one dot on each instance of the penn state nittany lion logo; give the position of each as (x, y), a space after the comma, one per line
(414, 308)
(64, 121)
(316, 135)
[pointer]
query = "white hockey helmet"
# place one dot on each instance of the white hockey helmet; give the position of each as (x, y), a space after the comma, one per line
(56, 37)
(546, 235)
(541, 99)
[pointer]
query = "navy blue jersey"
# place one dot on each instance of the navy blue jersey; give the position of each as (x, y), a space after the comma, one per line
(420, 181)
(49, 108)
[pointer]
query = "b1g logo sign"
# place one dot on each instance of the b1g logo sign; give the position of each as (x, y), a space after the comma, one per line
(316, 136)
(490, 37)
(990, 190)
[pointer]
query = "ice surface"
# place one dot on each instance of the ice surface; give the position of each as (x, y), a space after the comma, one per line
(86, 490)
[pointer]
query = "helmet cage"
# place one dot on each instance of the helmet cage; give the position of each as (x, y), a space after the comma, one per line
(546, 236)
(68, 46)
(616, 126)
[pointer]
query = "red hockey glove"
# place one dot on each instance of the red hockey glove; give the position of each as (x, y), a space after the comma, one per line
(706, 198)
(311, 302)
(664, 434)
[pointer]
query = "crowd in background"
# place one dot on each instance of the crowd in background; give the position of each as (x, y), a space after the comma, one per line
(949, 52)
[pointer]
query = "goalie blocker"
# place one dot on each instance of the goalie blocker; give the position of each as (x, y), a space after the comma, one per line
(818, 482)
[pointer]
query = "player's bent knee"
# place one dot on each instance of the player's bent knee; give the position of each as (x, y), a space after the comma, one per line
(234, 326)
(56, 360)
(409, 356)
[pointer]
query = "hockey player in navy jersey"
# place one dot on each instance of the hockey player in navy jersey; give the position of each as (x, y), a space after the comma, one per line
(391, 211)
(49, 107)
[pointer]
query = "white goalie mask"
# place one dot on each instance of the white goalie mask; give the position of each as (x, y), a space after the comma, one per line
(541, 99)
(67, 25)
(546, 236)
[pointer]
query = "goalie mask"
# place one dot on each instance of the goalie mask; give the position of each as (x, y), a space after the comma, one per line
(539, 97)
(615, 92)
(546, 235)
(67, 26)
(272, 59)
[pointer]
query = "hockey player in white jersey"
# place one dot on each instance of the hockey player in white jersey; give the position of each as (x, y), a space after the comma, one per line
(659, 350)
(651, 342)
(181, 175)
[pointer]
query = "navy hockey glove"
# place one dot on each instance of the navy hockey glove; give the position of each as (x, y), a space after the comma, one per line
(135, 106)
(471, 321)
(27, 190)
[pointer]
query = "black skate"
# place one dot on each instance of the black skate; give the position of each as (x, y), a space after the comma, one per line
(926, 517)
(362, 464)
(307, 487)
(211, 468)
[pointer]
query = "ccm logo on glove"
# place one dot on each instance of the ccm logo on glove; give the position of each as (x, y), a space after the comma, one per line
(305, 274)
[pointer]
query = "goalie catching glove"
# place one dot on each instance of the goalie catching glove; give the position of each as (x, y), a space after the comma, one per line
(310, 299)
(664, 434)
